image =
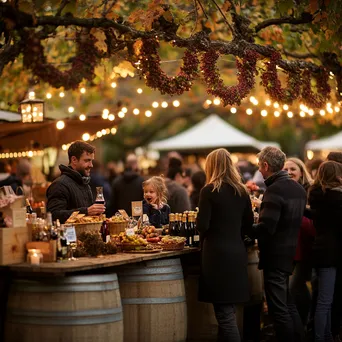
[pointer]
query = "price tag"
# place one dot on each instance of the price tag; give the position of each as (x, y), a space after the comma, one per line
(137, 208)
(130, 231)
(70, 234)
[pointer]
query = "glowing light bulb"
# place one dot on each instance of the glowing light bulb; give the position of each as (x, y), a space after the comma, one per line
(124, 109)
(105, 115)
(164, 104)
(113, 130)
(48, 95)
(337, 109)
(268, 102)
(285, 107)
(113, 84)
(252, 99)
(121, 114)
(139, 90)
(264, 112)
(276, 114)
(64, 147)
(208, 102)
(98, 134)
(276, 105)
(60, 124)
(249, 111)
(82, 117)
(83, 90)
(136, 111)
(290, 114)
(233, 110)
(302, 114)
(61, 94)
(148, 113)
(176, 103)
(111, 117)
(71, 109)
(155, 104)
(322, 112)
(309, 154)
(311, 112)
(216, 102)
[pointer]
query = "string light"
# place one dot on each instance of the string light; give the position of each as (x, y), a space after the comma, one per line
(86, 136)
(155, 104)
(113, 84)
(176, 103)
(322, 112)
(264, 112)
(111, 117)
(302, 113)
(48, 95)
(337, 109)
(148, 113)
(98, 134)
(82, 117)
(30, 154)
(268, 102)
(61, 94)
(285, 107)
(124, 110)
(71, 109)
(164, 104)
(105, 114)
(330, 110)
(103, 131)
(136, 111)
(83, 90)
(208, 102)
(139, 90)
(60, 124)
(276, 114)
(276, 105)
(121, 115)
(249, 111)
(64, 147)
(217, 102)
(290, 114)
(311, 112)
(233, 110)
(113, 130)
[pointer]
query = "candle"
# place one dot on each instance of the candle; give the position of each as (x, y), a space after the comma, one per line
(35, 259)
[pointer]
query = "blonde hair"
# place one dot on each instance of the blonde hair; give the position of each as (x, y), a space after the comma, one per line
(158, 184)
(219, 168)
(305, 178)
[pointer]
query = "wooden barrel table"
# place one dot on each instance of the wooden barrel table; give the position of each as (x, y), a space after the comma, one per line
(85, 308)
(153, 299)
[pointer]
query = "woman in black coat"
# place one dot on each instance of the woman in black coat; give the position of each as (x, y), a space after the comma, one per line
(325, 199)
(225, 216)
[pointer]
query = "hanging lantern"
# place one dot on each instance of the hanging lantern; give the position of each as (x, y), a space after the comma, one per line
(32, 109)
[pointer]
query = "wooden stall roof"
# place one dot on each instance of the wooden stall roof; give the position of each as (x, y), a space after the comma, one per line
(85, 264)
(18, 136)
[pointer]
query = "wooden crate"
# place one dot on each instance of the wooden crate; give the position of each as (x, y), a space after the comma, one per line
(13, 245)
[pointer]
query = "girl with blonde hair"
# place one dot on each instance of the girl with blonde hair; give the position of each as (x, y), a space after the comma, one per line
(155, 201)
(225, 217)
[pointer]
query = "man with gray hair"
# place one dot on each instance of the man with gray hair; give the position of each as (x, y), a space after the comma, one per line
(280, 217)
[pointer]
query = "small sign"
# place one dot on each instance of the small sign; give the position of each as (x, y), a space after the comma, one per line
(123, 213)
(70, 234)
(130, 231)
(137, 208)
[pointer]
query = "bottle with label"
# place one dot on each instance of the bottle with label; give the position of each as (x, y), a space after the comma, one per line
(34, 225)
(196, 239)
(170, 230)
(185, 230)
(191, 230)
(105, 234)
(176, 229)
(29, 209)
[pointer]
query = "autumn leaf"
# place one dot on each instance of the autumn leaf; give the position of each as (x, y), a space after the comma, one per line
(100, 37)
(137, 47)
(226, 6)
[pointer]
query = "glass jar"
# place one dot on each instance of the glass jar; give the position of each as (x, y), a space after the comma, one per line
(34, 257)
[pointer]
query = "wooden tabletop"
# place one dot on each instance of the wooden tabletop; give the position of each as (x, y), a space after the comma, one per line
(85, 264)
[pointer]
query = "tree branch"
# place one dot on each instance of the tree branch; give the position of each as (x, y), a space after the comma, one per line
(224, 17)
(199, 2)
(299, 55)
(61, 7)
(304, 19)
(9, 53)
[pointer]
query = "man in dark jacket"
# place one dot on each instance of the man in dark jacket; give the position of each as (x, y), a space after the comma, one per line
(127, 187)
(71, 191)
(280, 218)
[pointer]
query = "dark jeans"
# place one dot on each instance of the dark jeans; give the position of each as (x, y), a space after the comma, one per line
(326, 284)
(287, 322)
(336, 310)
(299, 290)
(228, 329)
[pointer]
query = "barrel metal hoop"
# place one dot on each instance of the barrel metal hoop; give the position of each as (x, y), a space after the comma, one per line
(45, 287)
(65, 317)
(164, 262)
(146, 278)
(171, 300)
(151, 270)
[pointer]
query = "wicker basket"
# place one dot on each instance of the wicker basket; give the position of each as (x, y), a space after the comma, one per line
(172, 246)
(87, 227)
(117, 227)
(129, 247)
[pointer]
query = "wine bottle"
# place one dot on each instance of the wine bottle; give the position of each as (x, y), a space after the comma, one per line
(185, 230)
(191, 230)
(196, 242)
(29, 209)
(171, 228)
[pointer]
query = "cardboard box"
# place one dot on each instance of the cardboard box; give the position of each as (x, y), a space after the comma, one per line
(13, 245)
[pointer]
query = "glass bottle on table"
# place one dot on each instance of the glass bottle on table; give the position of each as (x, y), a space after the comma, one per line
(185, 230)
(196, 239)
(29, 209)
(170, 230)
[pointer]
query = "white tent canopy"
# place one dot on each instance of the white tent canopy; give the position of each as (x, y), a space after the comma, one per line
(212, 132)
(333, 142)
(9, 116)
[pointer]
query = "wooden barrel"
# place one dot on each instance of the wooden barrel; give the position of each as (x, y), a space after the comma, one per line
(85, 308)
(255, 277)
(153, 299)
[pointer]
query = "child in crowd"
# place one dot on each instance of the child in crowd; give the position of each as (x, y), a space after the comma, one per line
(154, 204)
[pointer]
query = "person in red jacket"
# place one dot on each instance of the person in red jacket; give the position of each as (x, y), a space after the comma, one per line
(306, 237)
